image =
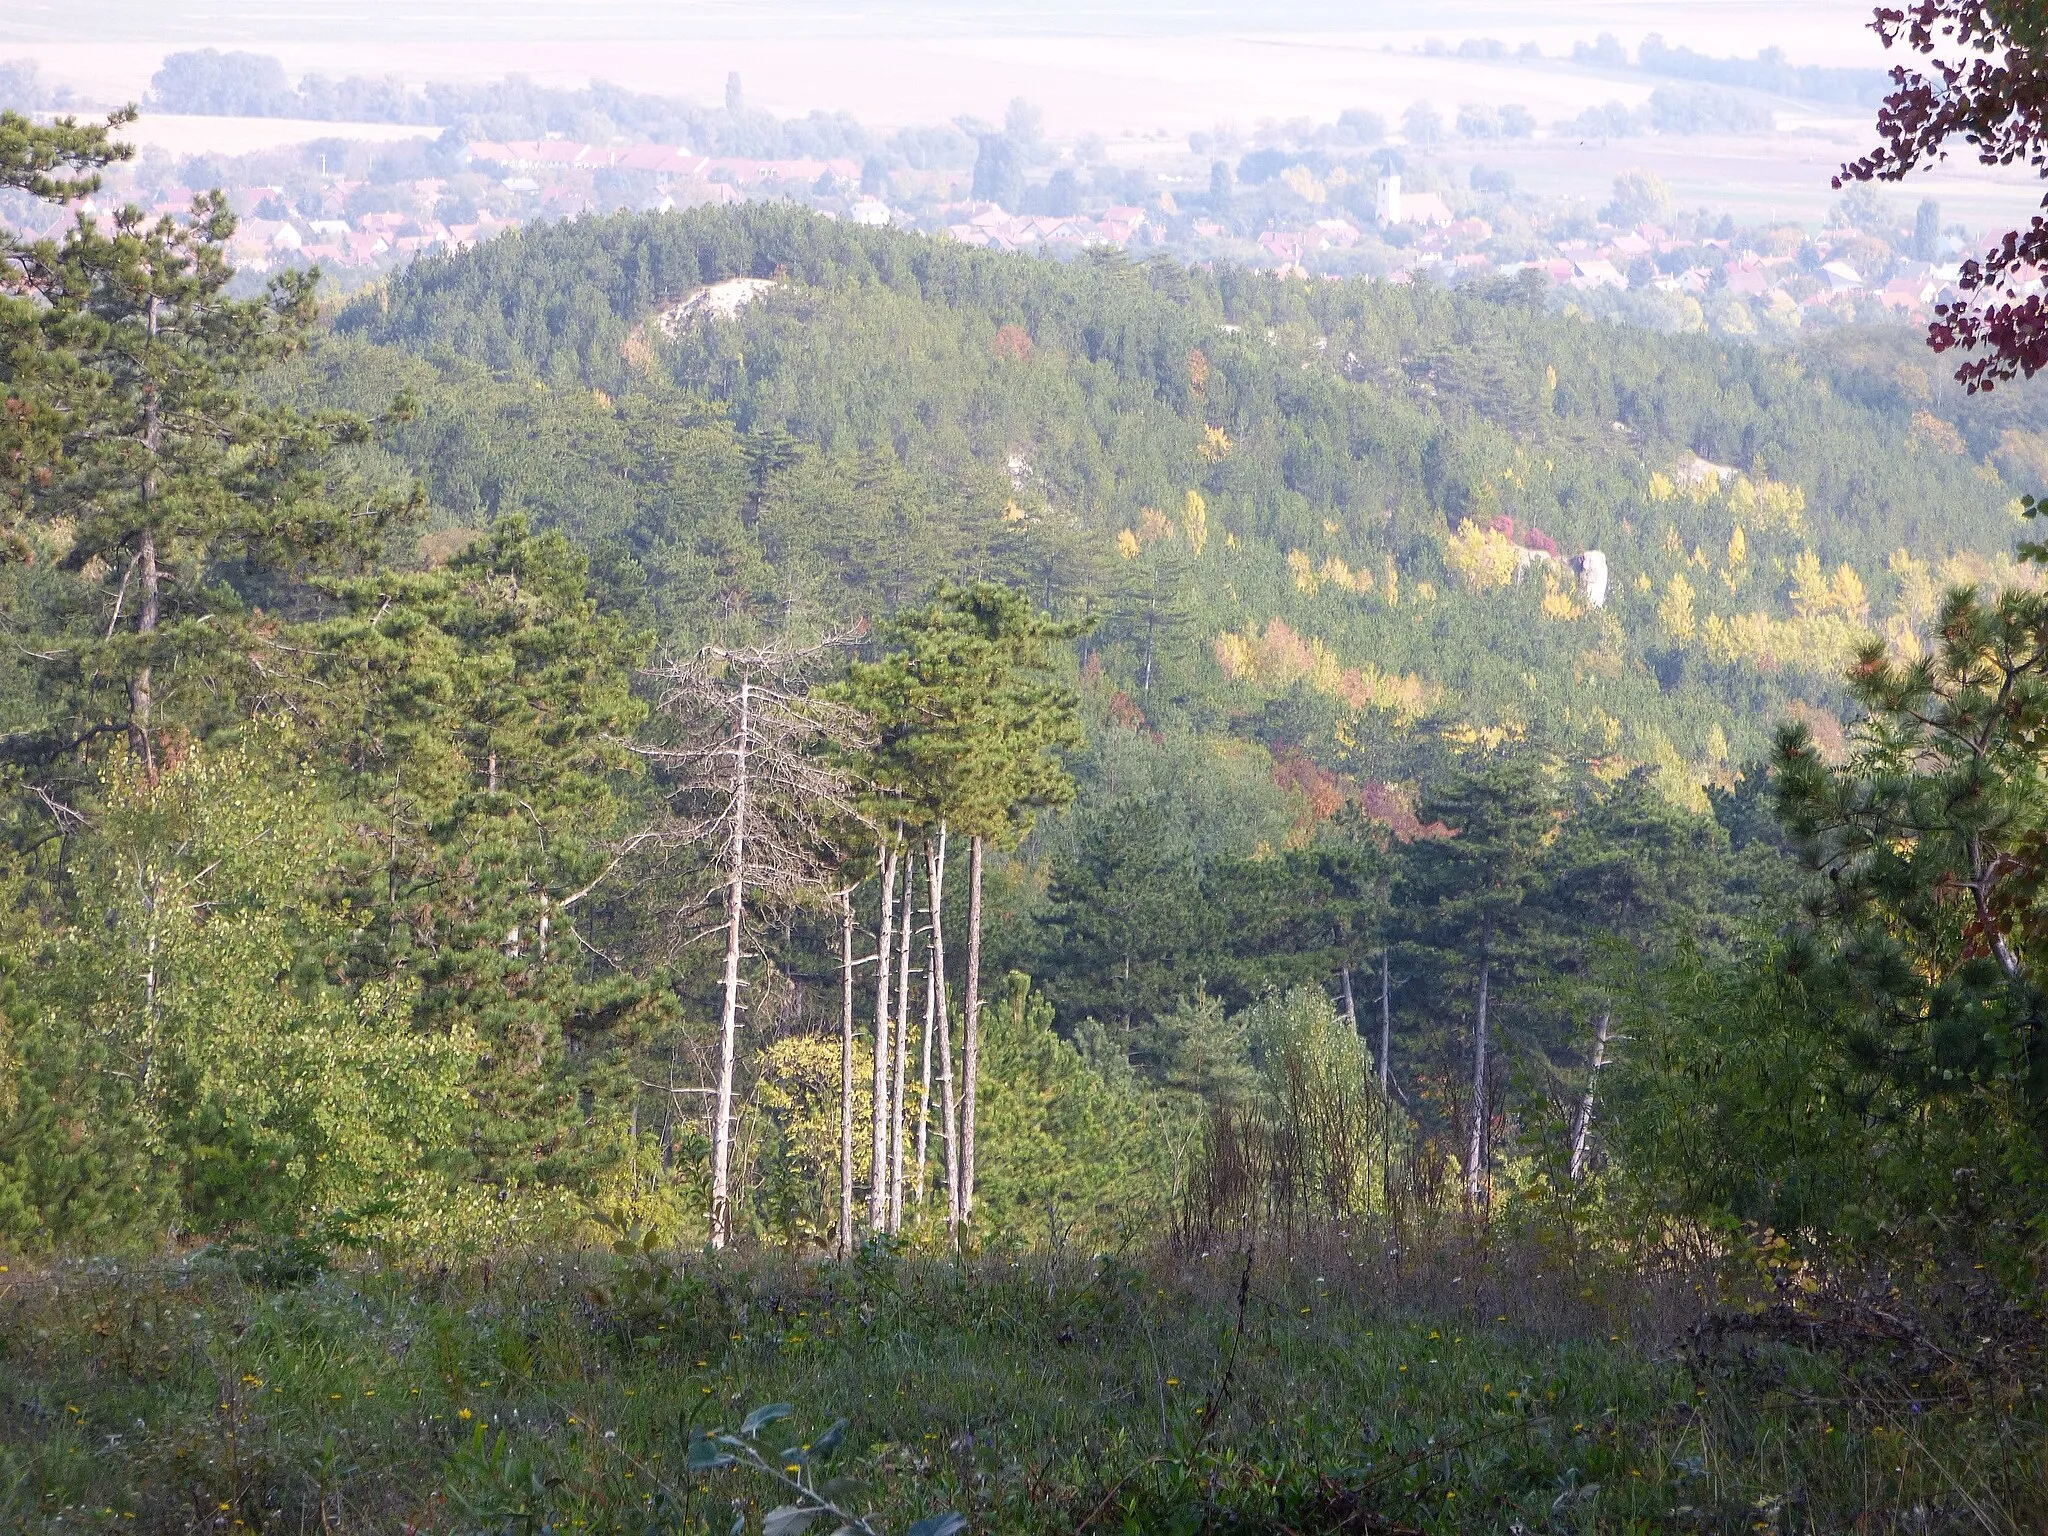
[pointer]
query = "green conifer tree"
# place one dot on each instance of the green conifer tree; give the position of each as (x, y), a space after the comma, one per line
(477, 718)
(59, 162)
(164, 482)
(971, 726)
(1933, 840)
(1471, 888)
(1632, 877)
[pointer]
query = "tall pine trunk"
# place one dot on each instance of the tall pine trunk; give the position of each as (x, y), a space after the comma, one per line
(878, 1178)
(970, 1039)
(1350, 1002)
(1582, 1130)
(735, 899)
(1475, 1178)
(924, 1066)
(949, 1108)
(141, 697)
(897, 1107)
(846, 1074)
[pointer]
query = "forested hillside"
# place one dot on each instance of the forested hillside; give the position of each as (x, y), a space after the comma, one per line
(1335, 576)
(1328, 545)
(861, 774)
(894, 411)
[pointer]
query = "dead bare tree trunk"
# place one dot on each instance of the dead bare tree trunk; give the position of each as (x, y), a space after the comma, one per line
(878, 1179)
(931, 1005)
(1475, 1178)
(1350, 1003)
(900, 1109)
(949, 1109)
(970, 1039)
(1582, 1130)
(751, 780)
(846, 1074)
(728, 1029)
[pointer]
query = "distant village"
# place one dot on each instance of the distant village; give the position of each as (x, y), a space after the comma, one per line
(1303, 201)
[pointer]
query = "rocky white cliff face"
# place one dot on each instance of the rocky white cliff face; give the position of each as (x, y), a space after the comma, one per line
(1592, 569)
(718, 301)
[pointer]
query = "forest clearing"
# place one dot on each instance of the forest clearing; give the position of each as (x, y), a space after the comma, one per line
(1455, 1385)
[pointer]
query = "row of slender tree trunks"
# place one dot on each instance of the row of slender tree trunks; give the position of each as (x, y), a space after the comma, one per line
(957, 1126)
(899, 1155)
(769, 722)
(899, 1150)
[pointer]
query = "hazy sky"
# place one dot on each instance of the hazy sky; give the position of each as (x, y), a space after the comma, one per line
(1140, 72)
(1107, 64)
(1822, 29)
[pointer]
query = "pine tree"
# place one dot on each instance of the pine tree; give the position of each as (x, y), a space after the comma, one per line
(476, 720)
(1067, 1149)
(970, 730)
(1933, 840)
(59, 163)
(1500, 809)
(1306, 916)
(177, 491)
(1122, 942)
(1636, 871)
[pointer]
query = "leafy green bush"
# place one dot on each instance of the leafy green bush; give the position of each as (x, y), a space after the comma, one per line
(274, 1094)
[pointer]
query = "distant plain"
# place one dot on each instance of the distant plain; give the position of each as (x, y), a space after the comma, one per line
(1141, 74)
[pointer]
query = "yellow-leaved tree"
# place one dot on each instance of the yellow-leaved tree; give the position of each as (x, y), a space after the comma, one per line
(1482, 558)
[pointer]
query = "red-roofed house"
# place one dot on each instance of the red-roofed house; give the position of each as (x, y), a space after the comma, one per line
(1424, 208)
(1284, 246)
(1747, 276)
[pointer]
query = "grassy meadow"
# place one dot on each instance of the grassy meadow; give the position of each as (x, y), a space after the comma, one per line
(1370, 1381)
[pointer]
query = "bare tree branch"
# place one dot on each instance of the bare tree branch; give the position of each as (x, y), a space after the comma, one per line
(757, 769)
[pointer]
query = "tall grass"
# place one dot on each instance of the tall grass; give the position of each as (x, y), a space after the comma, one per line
(1373, 1376)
